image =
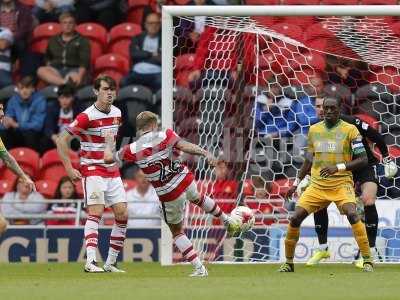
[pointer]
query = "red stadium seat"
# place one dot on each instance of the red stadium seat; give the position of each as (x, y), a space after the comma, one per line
(97, 36)
(121, 47)
(318, 31)
(378, 2)
(52, 167)
(304, 22)
(262, 2)
(129, 184)
(41, 35)
(266, 21)
(280, 187)
(114, 62)
(248, 189)
(30, 3)
(370, 120)
(6, 186)
(394, 152)
(28, 159)
(293, 31)
(47, 188)
(339, 2)
(300, 2)
(184, 62)
(135, 10)
(124, 31)
(312, 59)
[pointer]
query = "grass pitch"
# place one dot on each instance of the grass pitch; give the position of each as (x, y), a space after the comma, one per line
(151, 281)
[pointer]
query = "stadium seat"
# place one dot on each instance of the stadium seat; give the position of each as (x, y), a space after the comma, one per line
(370, 120)
(311, 59)
(121, 47)
(97, 36)
(47, 188)
(293, 31)
(86, 96)
(394, 152)
(378, 2)
(124, 31)
(280, 187)
(184, 62)
(50, 92)
(7, 92)
(304, 22)
(41, 35)
(318, 31)
(30, 3)
(300, 2)
(266, 21)
(52, 167)
(135, 10)
(6, 186)
(112, 62)
(28, 159)
(129, 184)
(248, 189)
(339, 2)
(262, 2)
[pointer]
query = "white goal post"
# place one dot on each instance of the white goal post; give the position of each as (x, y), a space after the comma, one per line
(187, 11)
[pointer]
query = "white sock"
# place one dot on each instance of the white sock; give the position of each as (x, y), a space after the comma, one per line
(323, 247)
(117, 239)
(185, 246)
(91, 235)
(209, 206)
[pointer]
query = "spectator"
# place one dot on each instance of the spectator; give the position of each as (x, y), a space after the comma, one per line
(143, 200)
(50, 10)
(24, 117)
(145, 51)
(67, 55)
(19, 20)
(6, 41)
(59, 115)
(65, 191)
(20, 199)
(106, 12)
(223, 187)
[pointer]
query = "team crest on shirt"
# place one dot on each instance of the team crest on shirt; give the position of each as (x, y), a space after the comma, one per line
(340, 135)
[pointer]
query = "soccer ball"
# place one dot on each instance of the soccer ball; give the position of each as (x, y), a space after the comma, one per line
(243, 216)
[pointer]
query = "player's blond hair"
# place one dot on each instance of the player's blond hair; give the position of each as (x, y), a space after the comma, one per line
(145, 119)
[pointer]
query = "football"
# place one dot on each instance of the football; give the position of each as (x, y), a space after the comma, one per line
(243, 216)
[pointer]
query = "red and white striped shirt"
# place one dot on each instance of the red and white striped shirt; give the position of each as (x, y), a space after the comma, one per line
(155, 153)
(91, 126)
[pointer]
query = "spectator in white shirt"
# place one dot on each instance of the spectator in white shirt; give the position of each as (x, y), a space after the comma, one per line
(142, 200)
(6, 41)
(21, 199)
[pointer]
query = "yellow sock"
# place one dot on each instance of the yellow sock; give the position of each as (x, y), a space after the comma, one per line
(360, 234)
(292, 236)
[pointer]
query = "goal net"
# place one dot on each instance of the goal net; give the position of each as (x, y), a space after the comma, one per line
(245, 88)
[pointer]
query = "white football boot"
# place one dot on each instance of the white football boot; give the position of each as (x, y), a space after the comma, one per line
(200, 272)
(112, 268)
(91, 267)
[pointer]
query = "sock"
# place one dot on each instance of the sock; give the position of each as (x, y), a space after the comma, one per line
(117, 239)
(321, 225)
(91, 234)
(185, 246)
(292, 236)
(209, 206)
(360, 234)
(323, 247)
(371, 223)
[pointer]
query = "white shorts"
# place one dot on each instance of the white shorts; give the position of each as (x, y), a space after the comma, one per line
(174, 211)
(102, 190)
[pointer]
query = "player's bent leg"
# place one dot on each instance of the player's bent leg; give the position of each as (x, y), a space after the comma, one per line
(185, 246)
(321, 228)
(117, 237)
(209, 206)
(91, 232)
(3, 225)
(360, 234)
(292, 236)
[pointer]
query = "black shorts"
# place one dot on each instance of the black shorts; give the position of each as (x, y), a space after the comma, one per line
(366, 174)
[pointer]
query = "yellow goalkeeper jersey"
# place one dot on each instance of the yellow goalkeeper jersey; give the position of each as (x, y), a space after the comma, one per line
(330, 146)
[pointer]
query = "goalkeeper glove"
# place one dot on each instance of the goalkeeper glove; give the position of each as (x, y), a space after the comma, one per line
(301, 187)
(390, 167)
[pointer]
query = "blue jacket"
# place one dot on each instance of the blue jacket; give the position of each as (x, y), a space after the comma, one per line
(30, 114)
(302, 115)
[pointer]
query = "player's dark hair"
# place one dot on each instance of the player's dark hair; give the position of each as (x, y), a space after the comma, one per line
(58, 190)
(336, 99)
(27, 81)
(66, 14)
(66, 90)
(110, 81)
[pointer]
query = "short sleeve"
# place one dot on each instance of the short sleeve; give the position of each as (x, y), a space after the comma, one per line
(172, 137)
(81, 123)
(125, 154)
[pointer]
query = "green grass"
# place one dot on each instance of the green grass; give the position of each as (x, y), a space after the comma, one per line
(151, 281)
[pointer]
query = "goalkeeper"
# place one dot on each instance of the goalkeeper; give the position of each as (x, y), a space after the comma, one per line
(365, 178)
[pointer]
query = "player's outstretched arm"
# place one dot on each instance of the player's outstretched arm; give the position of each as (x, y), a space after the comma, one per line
(304, 170)
(193, 149)
(63, 142)
(12, 164)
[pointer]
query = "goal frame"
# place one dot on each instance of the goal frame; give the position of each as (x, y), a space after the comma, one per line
(168, 12)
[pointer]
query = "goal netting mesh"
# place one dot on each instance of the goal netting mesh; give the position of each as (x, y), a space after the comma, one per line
(244, 88)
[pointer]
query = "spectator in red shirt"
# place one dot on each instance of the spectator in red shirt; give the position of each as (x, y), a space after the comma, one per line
(224, 187)
(65, 191)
